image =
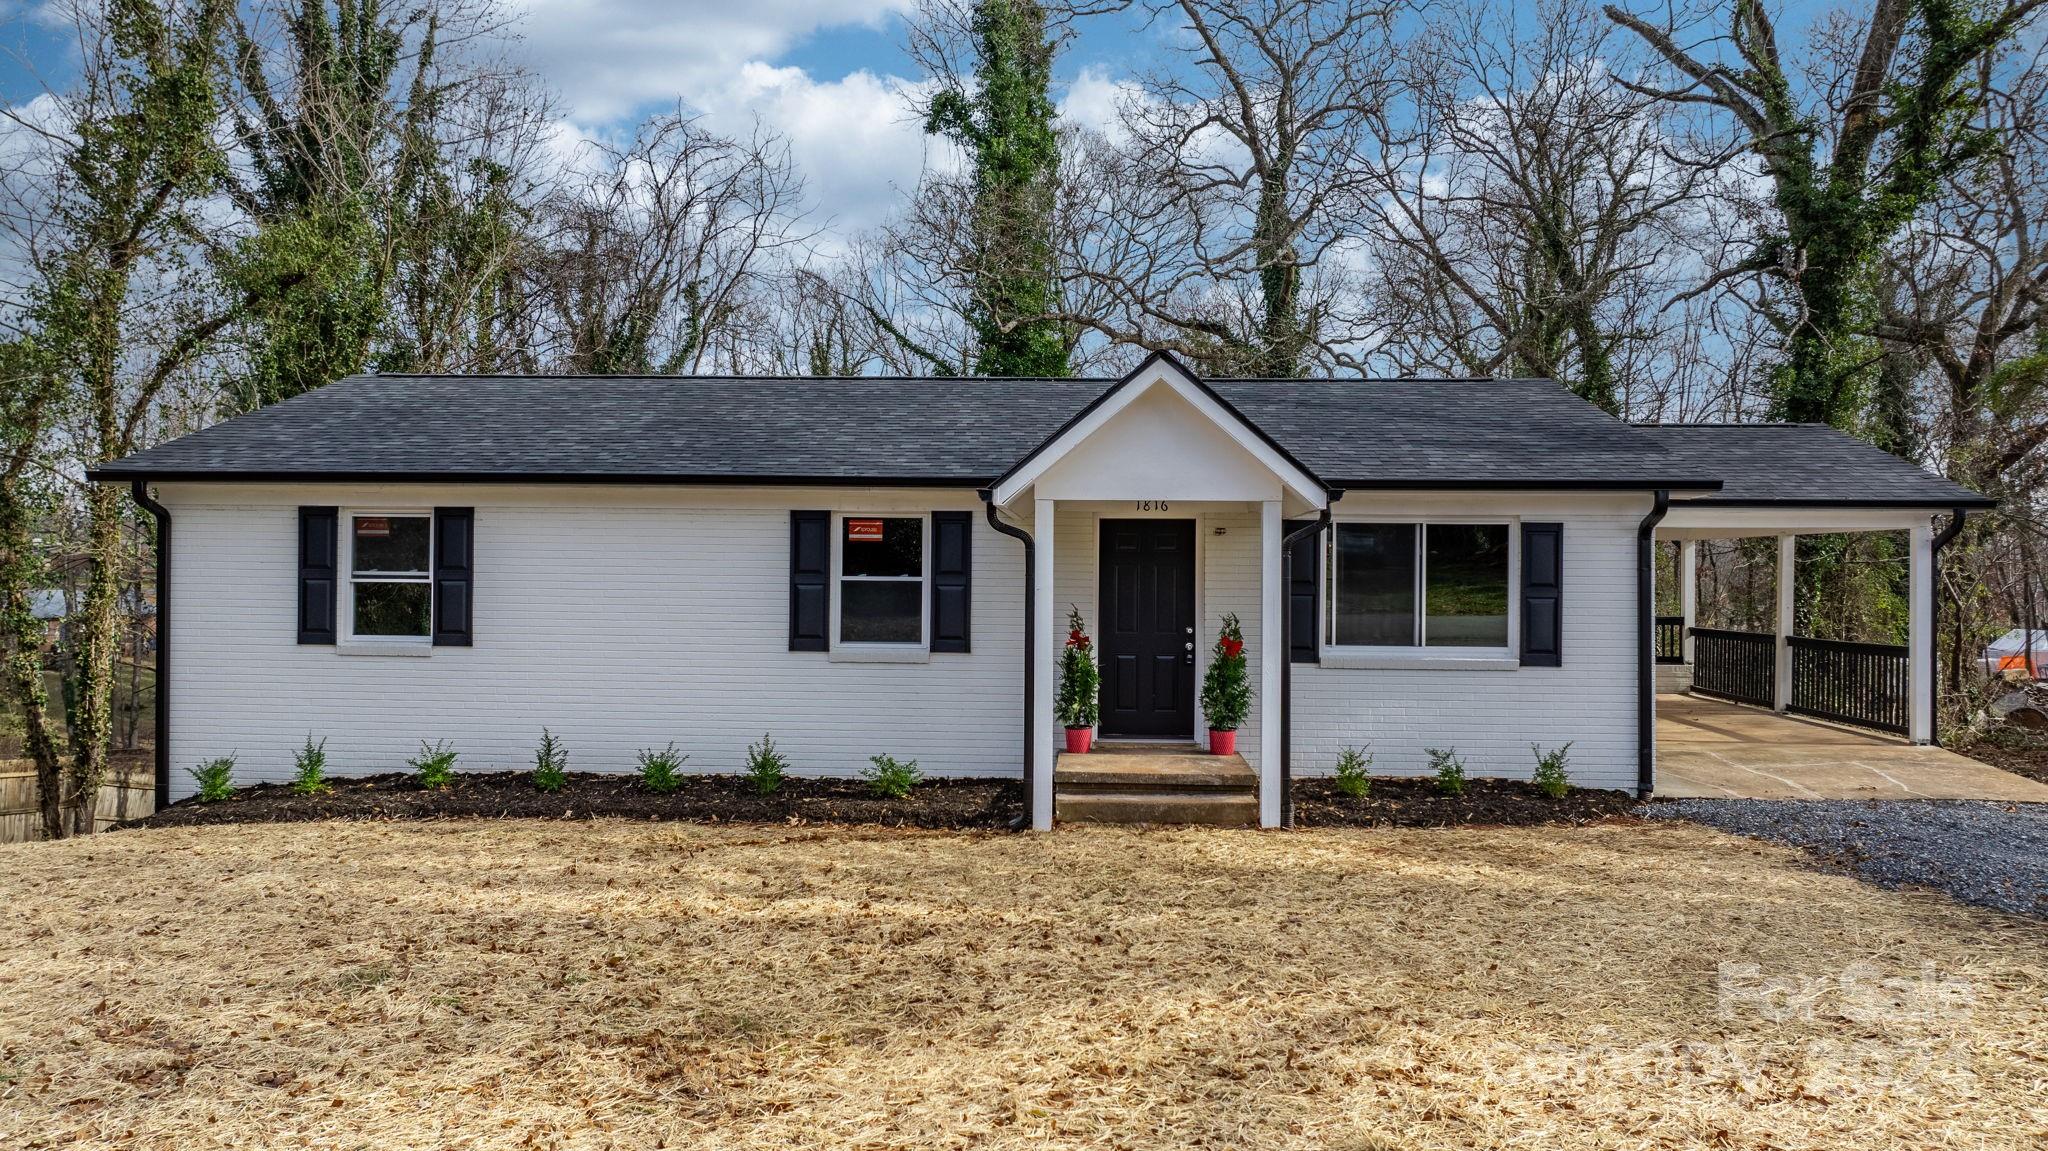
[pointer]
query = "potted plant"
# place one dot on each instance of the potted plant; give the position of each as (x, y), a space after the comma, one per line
(1080, 686)
(1226, 696)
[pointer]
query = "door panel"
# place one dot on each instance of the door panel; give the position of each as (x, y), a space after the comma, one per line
(1147, 593)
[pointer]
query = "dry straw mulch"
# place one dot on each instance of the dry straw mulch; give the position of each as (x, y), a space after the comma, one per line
(526, 984)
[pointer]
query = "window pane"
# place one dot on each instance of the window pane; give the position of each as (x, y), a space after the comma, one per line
(1467, 576)
(873, 546)
(393, 608)
(391, 544)
(1375, 585)
(881, 611)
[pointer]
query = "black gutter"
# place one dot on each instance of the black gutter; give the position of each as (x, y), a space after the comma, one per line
(1646, 651)
(1030, 652)
(1287, 658)
(1954, 528)
(140, 491)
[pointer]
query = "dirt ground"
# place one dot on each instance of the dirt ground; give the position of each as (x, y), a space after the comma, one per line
(516, 984)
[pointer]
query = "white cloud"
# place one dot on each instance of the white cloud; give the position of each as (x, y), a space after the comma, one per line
(611, 58)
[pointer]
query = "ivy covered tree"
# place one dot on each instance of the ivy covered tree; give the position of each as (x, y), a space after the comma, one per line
(1846, 170)
(1005, 121)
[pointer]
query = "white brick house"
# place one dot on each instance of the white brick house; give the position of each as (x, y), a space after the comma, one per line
(843, 563)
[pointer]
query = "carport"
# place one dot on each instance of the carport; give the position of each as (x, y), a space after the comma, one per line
(1785, 481)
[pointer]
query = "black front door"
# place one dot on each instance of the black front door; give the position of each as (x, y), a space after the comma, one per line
(1148, 627)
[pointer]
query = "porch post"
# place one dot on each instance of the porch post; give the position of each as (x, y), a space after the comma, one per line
(1043, 662)
(1688, 591)
(1788, 551)
(1786, 578)
(1920, 632)
(1272, 601)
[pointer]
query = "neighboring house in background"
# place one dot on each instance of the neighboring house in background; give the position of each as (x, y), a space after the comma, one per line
(51, 608)
(885, 565)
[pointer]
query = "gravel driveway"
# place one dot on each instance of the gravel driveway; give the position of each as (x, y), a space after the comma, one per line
(1990, 854)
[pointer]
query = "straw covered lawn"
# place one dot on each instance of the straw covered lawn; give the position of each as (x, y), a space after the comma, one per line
(533, 984)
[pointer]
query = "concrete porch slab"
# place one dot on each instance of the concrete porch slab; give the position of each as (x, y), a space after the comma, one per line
(1707, 749)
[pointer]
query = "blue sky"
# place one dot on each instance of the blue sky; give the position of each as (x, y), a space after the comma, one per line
(828, 75)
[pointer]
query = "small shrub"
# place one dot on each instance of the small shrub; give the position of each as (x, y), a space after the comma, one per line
(890, 779)
(434, 767)
(1352, 765)
(550, 764)
(1226, 688)
(1552, 778)
(1449, 770)
(310, 776)
(766, 766)
(661, 772)
(216, 779)
(1080, 690)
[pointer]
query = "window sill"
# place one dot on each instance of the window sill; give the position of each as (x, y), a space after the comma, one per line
(1394, 661)
(878, 654)
(390, 647)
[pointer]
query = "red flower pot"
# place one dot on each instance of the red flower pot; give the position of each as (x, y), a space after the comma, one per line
(1078, 739)
(1222, 743)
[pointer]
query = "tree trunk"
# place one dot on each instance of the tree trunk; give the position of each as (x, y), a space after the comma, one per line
(98, 640)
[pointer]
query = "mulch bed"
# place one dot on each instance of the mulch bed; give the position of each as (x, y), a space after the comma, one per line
(1415, 802)
(935, 803)
(2030, 760)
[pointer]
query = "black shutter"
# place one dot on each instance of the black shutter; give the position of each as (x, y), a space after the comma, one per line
(952, 579)
(1542, 595)
(810, 593)
(1303, 577)
(454, 575)
(319, 542)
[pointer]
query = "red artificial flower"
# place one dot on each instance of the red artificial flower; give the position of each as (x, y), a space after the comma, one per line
(1076, 639)
(1232, 648)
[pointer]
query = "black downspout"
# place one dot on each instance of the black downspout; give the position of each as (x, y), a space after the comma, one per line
(1287, 658)
(1646, 652)
(1030, 650)
(140, 490)
(1954, 528)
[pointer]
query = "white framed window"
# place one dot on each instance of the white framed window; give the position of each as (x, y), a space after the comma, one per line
(880, 565)
(1437, 587)
(390, 566)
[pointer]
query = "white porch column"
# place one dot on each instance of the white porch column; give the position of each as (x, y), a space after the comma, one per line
(1688, 591)
(1920, 632)
(1042, 668)
(1272, 601)
(1788, 552)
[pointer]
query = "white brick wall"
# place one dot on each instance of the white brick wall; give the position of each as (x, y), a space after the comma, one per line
(1491, 717)
(620, 618)
(624, 618)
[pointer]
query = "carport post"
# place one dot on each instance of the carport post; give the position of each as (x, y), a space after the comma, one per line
(1920, 632)
(1788, 552)
(1688, 592)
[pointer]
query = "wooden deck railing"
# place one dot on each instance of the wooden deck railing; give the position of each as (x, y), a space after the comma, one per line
(1670, 639)
(1859, 683)
(1737, 665)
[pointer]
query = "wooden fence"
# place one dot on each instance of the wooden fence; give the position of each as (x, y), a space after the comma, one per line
(129, 793)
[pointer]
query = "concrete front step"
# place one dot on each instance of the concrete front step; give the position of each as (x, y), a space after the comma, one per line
(1214, 809)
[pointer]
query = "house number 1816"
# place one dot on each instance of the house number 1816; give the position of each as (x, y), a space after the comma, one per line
(1152, 505)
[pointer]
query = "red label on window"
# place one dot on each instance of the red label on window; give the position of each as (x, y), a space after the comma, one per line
(377, 527)
(864, 530)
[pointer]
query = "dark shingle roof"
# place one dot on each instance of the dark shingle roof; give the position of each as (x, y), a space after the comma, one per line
(1350, 433)
(1805, 464)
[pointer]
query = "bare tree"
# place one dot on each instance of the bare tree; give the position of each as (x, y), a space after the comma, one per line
(643, 260)
(1529, 219)
(1240, 168)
